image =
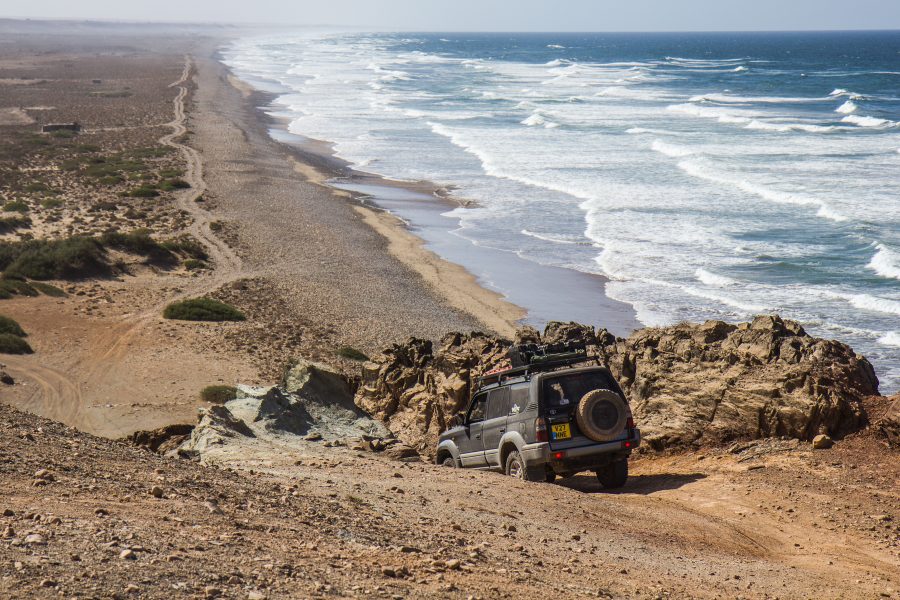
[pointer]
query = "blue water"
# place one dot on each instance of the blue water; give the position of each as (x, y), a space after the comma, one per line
(709, 176)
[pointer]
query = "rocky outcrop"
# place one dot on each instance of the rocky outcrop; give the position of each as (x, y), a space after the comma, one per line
(688, 385)
(162, 440)
(314, 403)
(709, 383)
(888, 426)
(416, 390)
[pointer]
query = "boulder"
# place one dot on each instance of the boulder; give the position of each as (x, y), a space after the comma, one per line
(215, 427)
(822, 442)
(888, 426)
(163, 439)
(689, 384)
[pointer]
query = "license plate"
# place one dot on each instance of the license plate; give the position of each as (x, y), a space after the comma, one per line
(561, 432)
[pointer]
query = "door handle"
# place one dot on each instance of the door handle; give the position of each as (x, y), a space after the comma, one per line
(477, 436)
(503, 430)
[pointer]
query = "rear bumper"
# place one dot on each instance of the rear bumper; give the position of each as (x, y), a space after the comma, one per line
(582, 458)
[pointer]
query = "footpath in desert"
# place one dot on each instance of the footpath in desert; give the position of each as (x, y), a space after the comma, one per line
(322, 486)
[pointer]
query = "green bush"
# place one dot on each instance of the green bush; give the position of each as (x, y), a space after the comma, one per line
(143, 192)
(192, 264)
(202, 309)
(13, 344)
(351, 353)
(8, 224)
(186, 245)
(63, 134)
(9, 326)
(16, 206)
(137, 242)
(218, 394)
(15, 287)
(53, 259)
(47, 289)
(51, 202)
(37, 186)
(174, 184)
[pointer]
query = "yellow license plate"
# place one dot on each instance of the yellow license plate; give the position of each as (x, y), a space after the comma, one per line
(561, 432)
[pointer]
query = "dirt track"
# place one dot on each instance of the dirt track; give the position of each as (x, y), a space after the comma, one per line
(99, 368)
(301, 520)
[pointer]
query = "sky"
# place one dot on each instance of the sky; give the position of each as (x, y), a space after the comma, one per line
(488, 15)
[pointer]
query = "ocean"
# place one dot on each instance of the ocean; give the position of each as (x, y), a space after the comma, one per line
(707, 176)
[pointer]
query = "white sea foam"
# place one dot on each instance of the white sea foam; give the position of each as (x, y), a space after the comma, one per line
(538, 120)
(740, 69)
(891, 338)
(847, 107)
(874, 303)
(702, 171)
(711, 279)
(557, 239)
(556, 63)
(787, 127)
(556, 46)
(885, 262)
(642, 130)
(868, 121)
(729, 99)
(671, 149)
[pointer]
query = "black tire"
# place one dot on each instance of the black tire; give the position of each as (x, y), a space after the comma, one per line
(449, 462)
(549, 476)
(516, 467)
(614, 476)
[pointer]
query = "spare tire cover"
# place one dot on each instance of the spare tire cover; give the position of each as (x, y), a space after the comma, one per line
(601, 415)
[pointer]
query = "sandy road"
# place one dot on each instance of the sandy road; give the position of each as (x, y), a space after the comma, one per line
(62, 395)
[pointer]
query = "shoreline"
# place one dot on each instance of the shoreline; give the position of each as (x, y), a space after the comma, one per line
(410, 215)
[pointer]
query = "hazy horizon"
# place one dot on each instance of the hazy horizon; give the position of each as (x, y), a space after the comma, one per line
(492, 15)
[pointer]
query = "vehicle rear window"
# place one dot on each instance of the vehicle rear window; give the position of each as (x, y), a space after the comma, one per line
(567, 390)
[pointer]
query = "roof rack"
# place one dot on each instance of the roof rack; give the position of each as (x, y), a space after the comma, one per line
(526, 359)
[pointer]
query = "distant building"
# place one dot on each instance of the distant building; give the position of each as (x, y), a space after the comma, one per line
(49, 127)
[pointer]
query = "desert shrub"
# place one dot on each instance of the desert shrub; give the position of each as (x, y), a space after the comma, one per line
(37, 186)
(16, 206)
(110, 180)
(13, 344)
(174, 184)
(143, 191)
(8, 224)
(216, 226)
(192, 264)
(202, 309)
(170, 173)
(15, 287)
(137, 242)
(51, 203)
(87, 148)
(53, 259)
(154, 152)
(351, 353)
(63, 134)
(104, 205)
(218, 394)
(186, 245)
(11, 327)
(47, 289)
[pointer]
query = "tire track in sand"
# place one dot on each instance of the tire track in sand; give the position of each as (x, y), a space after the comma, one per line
(62, 397)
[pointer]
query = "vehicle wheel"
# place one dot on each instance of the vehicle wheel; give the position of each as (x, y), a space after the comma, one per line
(515, 467)
(449, 462)
(601, 415)
(614, 476)
(549, 476)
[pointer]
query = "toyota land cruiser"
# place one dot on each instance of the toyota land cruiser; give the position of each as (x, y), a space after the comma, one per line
(545, 417)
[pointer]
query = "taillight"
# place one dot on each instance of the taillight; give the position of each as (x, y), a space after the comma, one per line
(540, 430)
(630, 423)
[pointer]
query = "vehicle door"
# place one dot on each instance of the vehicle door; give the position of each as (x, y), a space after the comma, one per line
(471, 446)
(495, 424)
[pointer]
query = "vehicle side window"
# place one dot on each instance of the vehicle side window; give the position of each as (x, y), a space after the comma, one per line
(498, 403)
(476, 411)
(518, 398)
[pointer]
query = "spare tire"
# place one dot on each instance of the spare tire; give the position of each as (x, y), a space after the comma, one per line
(601, 415)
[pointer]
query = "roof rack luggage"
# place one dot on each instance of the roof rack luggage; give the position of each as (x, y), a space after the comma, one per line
(526, 359)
